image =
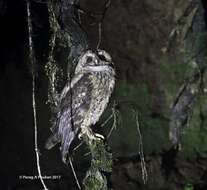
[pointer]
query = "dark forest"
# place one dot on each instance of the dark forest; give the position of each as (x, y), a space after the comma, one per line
(152, 133)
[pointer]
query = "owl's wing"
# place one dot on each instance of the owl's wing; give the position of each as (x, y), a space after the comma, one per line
(75, 102)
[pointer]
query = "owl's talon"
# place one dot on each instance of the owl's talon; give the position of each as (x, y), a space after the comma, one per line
(90, 134)
(99, 136)
(80, 135)
(83, 131)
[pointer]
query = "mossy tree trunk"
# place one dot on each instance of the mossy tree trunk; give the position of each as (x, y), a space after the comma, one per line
(69, 41)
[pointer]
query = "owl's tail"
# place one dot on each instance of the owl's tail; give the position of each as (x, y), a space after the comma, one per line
(52, 141)
(66, 139)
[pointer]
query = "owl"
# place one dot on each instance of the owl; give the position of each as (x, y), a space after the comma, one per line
(83, 100)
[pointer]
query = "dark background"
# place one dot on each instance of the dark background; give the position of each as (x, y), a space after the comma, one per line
(134, 32)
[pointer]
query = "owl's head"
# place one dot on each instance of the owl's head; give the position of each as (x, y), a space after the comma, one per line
(94, 62)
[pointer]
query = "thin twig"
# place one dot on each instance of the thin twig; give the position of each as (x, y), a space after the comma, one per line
(74, 173)
(106, 121)
(141, 152)
(87, 154)
(99, 34)
(78, 146)
(32, 59)
(114, 114)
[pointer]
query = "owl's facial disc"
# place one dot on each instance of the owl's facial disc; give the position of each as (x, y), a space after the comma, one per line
(94, 62)
(100, 62)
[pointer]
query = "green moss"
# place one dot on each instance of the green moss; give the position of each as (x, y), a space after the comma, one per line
(138, 95)
(173, 73)
(94, 180)
(101, 162)
(124, 139)
(195, 143)
(194, 139)
(155, 135)
(101, 157)
(188, 187)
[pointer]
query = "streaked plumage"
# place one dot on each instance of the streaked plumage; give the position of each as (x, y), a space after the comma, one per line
(83, 101)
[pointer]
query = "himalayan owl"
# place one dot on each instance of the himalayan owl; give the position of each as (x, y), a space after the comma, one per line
(83, 100)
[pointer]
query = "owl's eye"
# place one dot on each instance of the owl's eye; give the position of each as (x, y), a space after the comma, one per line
(89, 60)
(101, 57)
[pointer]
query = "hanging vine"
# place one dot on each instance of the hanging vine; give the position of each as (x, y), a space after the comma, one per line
(33, 62)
